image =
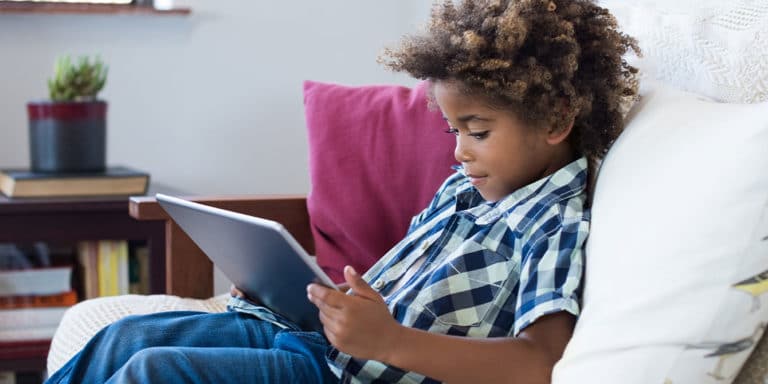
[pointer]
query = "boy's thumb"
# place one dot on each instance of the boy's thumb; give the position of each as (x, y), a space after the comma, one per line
(357, 284)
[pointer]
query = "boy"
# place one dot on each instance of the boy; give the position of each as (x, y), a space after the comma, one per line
(484, 287)
(531, 89)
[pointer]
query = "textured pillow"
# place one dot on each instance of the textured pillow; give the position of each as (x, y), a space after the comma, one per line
(677, 258)
(377, 156)
(88, 317)
(710, 47)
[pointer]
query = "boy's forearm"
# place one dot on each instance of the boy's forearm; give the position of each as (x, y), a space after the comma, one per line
(528, 358)
(469, 360)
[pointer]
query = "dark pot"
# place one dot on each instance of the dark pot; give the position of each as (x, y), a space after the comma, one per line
(67, 136)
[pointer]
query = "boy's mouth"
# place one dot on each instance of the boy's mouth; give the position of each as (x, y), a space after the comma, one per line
(476, 179)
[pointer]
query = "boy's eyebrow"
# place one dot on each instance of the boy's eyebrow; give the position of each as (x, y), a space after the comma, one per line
(466, 118)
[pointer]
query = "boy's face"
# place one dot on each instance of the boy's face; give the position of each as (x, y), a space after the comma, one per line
(497, 151)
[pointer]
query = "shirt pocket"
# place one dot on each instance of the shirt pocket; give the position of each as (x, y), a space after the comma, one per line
(467, 288)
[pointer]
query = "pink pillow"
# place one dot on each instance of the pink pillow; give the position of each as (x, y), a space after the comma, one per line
(377, 155)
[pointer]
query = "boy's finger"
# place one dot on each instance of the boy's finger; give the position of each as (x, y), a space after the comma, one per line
(234, 292)
(343, 287)
(320, 295)
(328, 311)
(358, 286)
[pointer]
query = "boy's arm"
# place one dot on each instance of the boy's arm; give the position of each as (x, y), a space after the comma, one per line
(528, 358)
(361, 326)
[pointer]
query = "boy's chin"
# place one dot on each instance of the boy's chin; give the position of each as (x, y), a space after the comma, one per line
(489, 196)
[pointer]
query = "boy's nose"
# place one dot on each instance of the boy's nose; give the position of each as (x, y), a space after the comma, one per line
(461, 152)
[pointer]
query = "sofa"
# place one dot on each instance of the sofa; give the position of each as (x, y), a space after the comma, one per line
(677, 259)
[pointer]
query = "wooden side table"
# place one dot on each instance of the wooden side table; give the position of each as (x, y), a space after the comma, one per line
(71, 220)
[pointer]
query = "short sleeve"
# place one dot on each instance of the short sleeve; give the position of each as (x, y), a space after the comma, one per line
(552, 268)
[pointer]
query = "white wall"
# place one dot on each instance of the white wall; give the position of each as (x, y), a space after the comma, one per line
(211, 102)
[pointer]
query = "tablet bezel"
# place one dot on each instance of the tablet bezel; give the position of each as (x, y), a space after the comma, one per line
(167, 202)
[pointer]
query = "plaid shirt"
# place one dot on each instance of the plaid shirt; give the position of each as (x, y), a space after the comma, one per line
(483, 269)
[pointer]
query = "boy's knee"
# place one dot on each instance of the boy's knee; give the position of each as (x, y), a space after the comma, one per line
(153, 363)
(129, 321)
(158, 356)
(124, 327)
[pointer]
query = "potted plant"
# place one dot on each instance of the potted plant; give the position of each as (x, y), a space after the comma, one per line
(68, 132)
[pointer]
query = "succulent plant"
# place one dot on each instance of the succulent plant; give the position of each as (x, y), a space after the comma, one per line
(79, 81)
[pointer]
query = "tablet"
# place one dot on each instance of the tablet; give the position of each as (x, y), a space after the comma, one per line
(258, 255)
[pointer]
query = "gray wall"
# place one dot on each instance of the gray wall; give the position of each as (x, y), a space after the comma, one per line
(209, 103)
(212, 102)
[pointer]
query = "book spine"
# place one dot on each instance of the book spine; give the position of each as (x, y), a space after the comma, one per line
(140, 270)
(31, 333)
(7, 377)
(107, 269)
(35, 281)
(142, 254)
(121, 256)
(23, 318)
(61, 300)
(88, 256)
(113, 181)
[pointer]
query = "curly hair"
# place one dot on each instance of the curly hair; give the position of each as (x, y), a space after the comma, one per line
(552, 62)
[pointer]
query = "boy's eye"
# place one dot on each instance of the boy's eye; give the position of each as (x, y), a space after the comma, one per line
(479, 135)
(452, 131)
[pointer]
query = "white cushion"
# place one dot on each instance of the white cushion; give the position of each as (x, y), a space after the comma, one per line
(680, 218)
(711, 47)
(86, 318)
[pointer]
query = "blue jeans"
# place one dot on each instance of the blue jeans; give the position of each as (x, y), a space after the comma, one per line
(196, 347)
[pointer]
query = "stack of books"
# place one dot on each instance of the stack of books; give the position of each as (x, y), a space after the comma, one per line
(33, 301)
(109, 269)
(113, 181)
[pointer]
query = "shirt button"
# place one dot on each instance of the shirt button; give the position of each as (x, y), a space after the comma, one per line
(378, 284)
(424, 246)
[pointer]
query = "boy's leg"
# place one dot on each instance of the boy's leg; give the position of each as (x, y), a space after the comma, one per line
(113, 346)
(295, 358)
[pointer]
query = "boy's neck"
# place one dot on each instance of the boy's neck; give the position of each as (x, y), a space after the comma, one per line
(562, 155)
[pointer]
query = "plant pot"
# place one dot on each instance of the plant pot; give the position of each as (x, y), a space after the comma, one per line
(67, 136)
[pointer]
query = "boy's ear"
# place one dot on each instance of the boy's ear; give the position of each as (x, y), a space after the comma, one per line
(558, 135)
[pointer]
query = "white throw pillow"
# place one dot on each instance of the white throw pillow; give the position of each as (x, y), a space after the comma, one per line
(676, 286)
(711, 47)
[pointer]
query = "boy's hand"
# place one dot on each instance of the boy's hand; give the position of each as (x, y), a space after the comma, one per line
(358, 324)
(344, 287)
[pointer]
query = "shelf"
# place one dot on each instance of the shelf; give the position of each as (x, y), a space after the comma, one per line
(23, 355)
(86, 9)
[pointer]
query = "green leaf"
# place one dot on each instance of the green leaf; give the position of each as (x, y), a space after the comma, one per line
(84, 78)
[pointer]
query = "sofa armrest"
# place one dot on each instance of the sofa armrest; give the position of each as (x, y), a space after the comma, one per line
(188, 272)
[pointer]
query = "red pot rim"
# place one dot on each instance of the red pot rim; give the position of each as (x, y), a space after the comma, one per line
(67, 110)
